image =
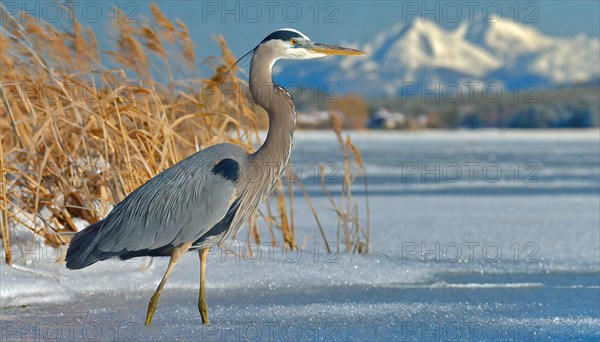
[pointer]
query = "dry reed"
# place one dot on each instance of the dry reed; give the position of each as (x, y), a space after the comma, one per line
(77, 136)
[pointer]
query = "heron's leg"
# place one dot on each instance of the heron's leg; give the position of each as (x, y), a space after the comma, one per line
(202, 306)
(176, 254)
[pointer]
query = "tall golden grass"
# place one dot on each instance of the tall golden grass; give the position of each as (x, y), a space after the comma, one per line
(78, 136)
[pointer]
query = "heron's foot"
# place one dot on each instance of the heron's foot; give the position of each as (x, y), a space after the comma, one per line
(152, 307)
(203, 308)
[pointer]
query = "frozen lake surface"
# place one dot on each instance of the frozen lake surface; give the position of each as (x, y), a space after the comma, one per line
(476, 236)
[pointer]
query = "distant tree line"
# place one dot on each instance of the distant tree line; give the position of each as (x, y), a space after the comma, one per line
(569, 107)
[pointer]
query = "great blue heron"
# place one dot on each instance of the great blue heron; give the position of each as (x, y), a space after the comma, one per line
(206, 197)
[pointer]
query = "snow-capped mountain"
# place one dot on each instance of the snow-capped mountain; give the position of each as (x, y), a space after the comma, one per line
(424, 54)
(526, 51)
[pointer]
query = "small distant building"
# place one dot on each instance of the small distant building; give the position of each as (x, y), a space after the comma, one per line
(384, 119)
(313, 119)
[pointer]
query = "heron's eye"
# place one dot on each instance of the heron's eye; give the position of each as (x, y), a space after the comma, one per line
(293, 42)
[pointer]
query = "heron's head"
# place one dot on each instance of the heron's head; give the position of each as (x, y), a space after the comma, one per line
(292, 44)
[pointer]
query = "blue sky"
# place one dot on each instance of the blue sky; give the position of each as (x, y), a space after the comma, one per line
(244, 23)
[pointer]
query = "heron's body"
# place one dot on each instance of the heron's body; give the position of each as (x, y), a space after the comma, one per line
(193, 197)
(207, 197)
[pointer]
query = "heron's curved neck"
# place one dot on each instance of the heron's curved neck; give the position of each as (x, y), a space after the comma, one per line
(278, 105)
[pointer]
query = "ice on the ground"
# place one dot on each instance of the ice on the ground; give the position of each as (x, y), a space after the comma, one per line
(506, 257)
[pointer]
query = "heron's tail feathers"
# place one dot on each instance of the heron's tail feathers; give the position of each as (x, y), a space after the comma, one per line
(82, 251)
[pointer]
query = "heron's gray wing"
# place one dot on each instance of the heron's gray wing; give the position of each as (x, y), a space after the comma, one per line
(179, 205)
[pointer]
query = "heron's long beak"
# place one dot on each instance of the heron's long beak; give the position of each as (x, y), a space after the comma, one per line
(334, 50)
